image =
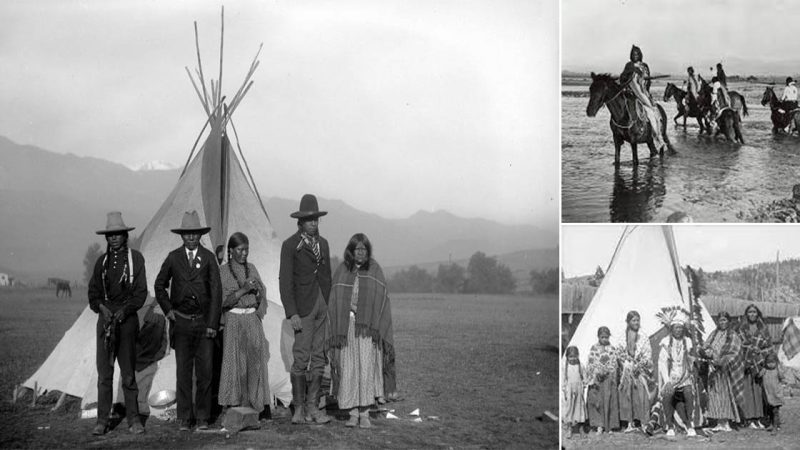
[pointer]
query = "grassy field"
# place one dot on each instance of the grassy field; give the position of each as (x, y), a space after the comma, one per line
(484, 366)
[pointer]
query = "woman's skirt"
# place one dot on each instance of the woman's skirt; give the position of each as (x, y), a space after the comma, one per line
(721, 403)
(753, 407)
(244, 380)
(361, 365)
(603, 404)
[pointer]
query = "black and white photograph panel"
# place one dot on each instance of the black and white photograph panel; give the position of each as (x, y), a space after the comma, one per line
(302, 224)
(680, 336)
(678, 111)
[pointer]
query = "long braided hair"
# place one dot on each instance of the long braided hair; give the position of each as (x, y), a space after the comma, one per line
(124, 281)
(234, 241)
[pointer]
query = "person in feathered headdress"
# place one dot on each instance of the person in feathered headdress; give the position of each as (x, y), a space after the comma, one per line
(675, 383)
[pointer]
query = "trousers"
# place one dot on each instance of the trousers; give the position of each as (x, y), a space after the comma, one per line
(194, 353)
(308, 347)
(124, 352)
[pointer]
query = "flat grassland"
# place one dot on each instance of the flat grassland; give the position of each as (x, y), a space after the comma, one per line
(485, 367)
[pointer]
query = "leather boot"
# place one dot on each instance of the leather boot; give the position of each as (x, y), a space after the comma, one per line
(313, 414)
(298, 397)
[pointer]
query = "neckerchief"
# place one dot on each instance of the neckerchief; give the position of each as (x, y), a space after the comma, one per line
(312, 242)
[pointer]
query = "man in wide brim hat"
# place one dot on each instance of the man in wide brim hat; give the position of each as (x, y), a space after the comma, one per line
(193, 306)
(305, 286)
(117, 289)
(115, 224)
(309, 208)
(191, 224)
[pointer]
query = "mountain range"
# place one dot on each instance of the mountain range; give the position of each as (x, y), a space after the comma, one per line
(52, 204)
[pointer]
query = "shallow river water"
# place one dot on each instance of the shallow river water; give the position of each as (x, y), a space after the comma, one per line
(709, 178)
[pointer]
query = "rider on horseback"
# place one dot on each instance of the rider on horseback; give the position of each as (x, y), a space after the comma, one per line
(692, 88)
(789, 100)
(789, 97)
(719, 97)
(636, 76)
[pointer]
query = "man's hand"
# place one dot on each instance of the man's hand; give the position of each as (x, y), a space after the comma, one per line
(171, 315)
(296, 324)
(210, 332)
(119, 315)
(107, 314)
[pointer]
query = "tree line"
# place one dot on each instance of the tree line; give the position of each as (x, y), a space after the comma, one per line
(483, 275)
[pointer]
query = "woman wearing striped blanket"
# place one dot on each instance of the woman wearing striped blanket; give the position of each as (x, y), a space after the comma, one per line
(360, 331)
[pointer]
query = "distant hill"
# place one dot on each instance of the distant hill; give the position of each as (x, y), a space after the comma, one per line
(52, 204)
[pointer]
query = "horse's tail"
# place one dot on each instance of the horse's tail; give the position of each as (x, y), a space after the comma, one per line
(744, 106)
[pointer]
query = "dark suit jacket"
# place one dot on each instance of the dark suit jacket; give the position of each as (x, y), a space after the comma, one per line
(183, 281)
(300, 276)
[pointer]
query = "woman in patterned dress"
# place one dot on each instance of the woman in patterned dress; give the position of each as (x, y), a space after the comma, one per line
(602, 397)
(360, 317)
(756, 343)
(723, 351)
(245, 352)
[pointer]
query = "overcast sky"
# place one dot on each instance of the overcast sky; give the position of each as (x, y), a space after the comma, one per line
(712, 247)
(391, 106)
(747, 36)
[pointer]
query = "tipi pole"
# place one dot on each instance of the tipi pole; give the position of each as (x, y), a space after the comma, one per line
(199, 95)
(198, 138)
(60, 401)
(199, 63)
(221, 40)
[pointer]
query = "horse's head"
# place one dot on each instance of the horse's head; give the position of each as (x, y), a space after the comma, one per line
(598, 92)
(769, 94)
(669, 91)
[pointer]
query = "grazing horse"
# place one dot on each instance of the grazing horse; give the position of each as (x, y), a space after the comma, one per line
(626, 125)
(694, 109)
(780, 120)
(63, 286)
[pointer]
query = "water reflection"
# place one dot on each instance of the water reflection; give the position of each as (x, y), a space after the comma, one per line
(638, 192)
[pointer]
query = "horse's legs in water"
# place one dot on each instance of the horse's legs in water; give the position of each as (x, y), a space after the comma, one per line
(653, 150)
(618, 141)
(634, 153)
(737, 128)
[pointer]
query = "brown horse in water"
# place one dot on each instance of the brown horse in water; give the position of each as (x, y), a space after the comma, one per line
(694, 109)
(780, 120)
(729, 118)
(625, 123)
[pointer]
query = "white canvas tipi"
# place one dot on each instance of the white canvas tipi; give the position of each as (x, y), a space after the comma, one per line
(216, 186)
(644, 275)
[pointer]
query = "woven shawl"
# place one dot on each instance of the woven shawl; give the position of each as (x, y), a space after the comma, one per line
(374, 312)
(730, 355)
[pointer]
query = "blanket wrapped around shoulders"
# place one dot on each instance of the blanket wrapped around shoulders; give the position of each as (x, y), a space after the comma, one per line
(373, 312)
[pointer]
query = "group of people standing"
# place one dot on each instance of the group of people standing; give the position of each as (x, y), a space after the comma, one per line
(732, 377)
(342, 319)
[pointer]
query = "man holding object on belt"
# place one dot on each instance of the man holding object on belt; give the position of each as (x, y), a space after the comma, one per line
(305, 285)
(193, 307)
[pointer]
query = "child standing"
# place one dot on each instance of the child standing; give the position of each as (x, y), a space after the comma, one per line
(574, 404)
(602, 398)
(772, 390)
